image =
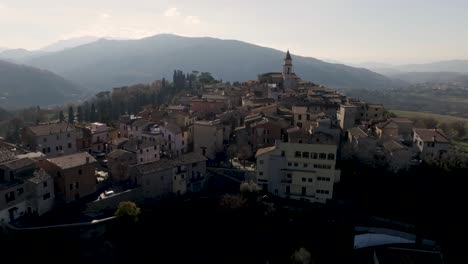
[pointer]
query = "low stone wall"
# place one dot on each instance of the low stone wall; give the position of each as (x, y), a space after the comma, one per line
(113, 201)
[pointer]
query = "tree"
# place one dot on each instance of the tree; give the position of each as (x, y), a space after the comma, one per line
(61, 116)
(460, 128)
(233, 201)
(80, 115)
(206, 78)
(430, 123)
(71, 115)
(301, 256)
(92, 115)
(128, 212)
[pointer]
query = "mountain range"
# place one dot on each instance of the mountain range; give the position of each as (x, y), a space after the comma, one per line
(101, 64)
(104, 64)
(23, 86)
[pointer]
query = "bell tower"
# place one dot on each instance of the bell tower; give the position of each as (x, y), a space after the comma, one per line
(287, 71)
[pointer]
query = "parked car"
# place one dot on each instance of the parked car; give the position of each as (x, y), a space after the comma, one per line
(99, 155)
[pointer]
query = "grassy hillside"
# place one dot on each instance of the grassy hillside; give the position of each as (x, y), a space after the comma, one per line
(422, 115)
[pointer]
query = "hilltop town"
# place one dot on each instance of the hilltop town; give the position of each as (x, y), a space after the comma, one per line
(288, 139)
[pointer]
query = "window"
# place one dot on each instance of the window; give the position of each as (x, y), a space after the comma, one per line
(289, 164)
(304, 190)
(45, 140)
(183, 142)
(303, 179)
(141, 159)
(155, 148)
(331, 156)
(44, 184)
(310, 179)
(141, 151)
(58, 137)
(323, 156)
(327, 192)
(288, 175)
(48, 150)
(260, 173)
(59, 174)
(155, 156)
(305, 154)
(299, 117)
(308, 117)
(282, 153)
(313, 155)
(46, 196)
(261, 161)
(68, 134)
(71, 186)
(43, 150)
(20, 191)
(147, 150)
(297, 154)
(296, 164)
(77, 185)
(306, 165)
(80, 172)
(60, 147)
(288, 190)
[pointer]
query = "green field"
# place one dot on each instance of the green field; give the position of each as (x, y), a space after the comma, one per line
(422, 115)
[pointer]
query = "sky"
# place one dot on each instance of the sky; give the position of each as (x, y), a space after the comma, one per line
(395, 32)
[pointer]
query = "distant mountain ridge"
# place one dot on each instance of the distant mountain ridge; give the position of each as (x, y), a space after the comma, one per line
(24, 86)
(19, 55)
(104, 64)
(69, 43)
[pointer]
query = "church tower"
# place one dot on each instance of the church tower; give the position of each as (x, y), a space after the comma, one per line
(287, 72)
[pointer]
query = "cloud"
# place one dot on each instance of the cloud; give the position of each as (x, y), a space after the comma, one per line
(172, 12)
(193, 20)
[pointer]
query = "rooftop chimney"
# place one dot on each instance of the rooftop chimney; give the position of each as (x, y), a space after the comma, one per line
(87, 160)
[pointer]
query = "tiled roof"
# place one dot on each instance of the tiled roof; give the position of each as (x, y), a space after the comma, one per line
(142, 123)
(264, 150)
(165, 164)
(19, 163)
(392, 145)
(357, 132)
(135, 144)
(387, 124)
(49, 129)
(173, 128)
(73, 160)
(432, 135)
(118, 153)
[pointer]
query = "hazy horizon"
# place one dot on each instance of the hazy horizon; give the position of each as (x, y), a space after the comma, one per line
(363, 31)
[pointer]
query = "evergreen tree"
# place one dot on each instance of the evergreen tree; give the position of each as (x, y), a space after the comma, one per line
(61, 116)
(80, 114)
(71, 115)
(92, 115)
